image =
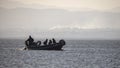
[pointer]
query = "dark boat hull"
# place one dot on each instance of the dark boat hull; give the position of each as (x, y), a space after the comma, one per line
(45, 47)
(37, 46)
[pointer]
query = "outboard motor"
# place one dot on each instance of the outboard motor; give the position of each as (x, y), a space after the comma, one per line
(62, 42)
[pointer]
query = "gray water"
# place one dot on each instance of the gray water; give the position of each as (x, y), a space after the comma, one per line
(76, 54)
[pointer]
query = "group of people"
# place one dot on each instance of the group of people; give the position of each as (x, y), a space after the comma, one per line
(30, 41)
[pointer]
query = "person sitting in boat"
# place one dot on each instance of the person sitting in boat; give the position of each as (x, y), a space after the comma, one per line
(45, 42)
(38, 43)
(29, 41)
(54, 41)
(62, 42)
(50, 42)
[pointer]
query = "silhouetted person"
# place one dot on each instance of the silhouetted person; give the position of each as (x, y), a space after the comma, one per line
(45, 42)
(62, 42)
(50, 42)
(30, 40)
(38, 43)
(54, 41)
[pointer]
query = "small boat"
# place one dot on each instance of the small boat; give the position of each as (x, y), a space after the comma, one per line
(36, 46)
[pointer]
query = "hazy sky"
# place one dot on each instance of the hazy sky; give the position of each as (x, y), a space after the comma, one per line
(21, 16)
(102, 5)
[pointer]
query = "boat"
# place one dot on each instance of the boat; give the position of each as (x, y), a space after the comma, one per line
(36, 46)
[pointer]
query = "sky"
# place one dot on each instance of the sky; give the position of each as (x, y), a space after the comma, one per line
(23, 17)
(102, 5)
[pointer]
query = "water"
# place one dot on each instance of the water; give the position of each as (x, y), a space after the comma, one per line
(76, 54)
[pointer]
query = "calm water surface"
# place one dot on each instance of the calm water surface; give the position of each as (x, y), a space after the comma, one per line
(76, 54)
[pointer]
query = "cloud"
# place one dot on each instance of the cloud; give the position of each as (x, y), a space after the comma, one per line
(11, 4)
(29, 18)
(78, 26)
(117, 9)
(24, 21)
